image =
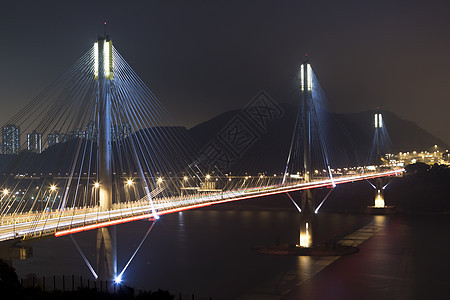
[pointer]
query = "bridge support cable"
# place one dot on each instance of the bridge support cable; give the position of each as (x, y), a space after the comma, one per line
(374, 187)
(118, 279)
(324, 145)
(84, 257)
(136, 157)
(137, 108)
(66, 116)
(145, 113)
(293, 139)
(323, 201)
(295, 203)
(381, 140)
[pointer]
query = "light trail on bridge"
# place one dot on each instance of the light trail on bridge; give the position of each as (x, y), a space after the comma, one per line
(79, 220)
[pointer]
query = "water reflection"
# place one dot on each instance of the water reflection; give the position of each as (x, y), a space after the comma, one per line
(210, 252)
(379, 221)
(181, 235)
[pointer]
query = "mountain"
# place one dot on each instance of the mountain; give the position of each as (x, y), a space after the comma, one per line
(239, 141)
(347, 137)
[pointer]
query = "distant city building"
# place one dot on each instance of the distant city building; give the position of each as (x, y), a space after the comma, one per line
(78, 133)
(10, 139)
(34, 142)
(53, 138)
(91, 131)
(120, 131)
(431, 157)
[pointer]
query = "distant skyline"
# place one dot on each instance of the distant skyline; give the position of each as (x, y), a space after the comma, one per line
(202, 58)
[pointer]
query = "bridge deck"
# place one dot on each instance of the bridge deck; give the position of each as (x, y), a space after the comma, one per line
(69, 221)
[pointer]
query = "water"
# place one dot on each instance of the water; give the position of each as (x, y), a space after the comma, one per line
(407, 259)
(210, 253)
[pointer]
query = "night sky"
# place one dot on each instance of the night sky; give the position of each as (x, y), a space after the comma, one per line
(204, 58)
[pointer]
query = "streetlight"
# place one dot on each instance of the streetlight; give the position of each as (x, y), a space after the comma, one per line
(160, 180)
(97, 184)
(53, 188)
(129, 182)
(208, 176)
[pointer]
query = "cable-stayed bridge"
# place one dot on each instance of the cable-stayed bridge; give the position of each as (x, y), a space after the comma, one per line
(112, 157)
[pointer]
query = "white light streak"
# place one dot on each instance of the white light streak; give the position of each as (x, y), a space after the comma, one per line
(378, 120)
(84, 258)
(323, 201)
(331, 177)
(302, 77)
(296, 205)
(119, 277)
(106, 58)
(96, 59)
(309, 77)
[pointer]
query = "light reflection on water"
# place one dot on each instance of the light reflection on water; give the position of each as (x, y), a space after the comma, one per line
(379, 220)
(181, 230)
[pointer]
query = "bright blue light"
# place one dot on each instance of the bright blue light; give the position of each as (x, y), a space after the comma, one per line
(118, 279)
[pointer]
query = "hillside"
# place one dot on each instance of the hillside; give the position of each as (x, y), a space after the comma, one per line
(348, 136)
(260, 149)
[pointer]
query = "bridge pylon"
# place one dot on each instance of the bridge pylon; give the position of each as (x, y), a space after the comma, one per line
(379, 205)
(307, 214)
(106, 237)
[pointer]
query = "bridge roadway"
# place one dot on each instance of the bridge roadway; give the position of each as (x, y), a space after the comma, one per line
(74, 220)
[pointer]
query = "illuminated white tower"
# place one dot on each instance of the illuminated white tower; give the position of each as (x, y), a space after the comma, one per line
(106, 236)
